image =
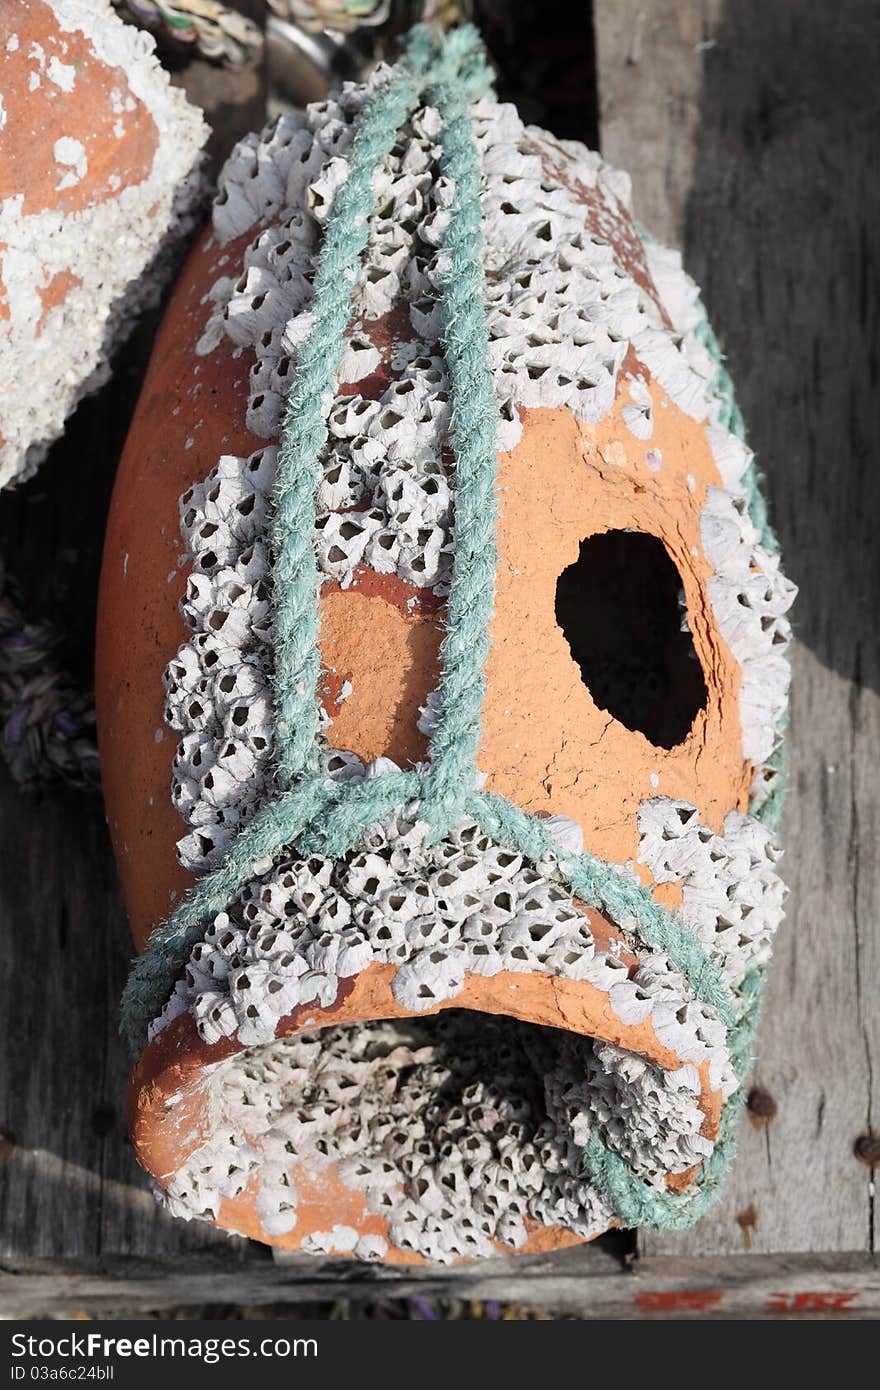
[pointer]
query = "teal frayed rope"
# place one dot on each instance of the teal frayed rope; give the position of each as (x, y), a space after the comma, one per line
(465, 649)
(627, 902)
(318, 814)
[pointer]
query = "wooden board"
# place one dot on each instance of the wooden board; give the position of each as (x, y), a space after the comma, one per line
(69, 1186)
(748, 130)
(753, 1287)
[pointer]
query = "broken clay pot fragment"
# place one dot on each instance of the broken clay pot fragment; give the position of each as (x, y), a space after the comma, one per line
(98, 158)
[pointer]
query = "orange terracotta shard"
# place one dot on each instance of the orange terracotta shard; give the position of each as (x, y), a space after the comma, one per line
(97, 176)
(94, 135)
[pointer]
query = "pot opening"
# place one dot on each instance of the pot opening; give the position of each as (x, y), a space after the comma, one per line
(446, 1137)
(621, 608)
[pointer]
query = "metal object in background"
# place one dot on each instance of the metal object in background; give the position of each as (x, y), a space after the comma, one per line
(342, 15)
(47, 725)
(214, 31)
(305, 66)
(314, 45)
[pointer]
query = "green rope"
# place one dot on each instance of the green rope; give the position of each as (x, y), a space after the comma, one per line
(304, 432)
(637, 1203)
(465, 648)
(340, 828)
(318, 814)
(609, 890)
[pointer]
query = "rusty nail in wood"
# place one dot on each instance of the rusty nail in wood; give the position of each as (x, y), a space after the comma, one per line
(747, 1221)
(7, 1146)
(761, 1106)
(867, 1149)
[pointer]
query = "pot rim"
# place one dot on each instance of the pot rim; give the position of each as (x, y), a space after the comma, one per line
(169, 1096)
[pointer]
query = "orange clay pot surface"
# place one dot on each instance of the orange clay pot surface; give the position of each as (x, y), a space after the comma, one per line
(55, 87)
(546, 744)
(169, 1108)
(547, 751)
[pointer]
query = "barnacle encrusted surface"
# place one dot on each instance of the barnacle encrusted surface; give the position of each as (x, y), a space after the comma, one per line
(566, 302)
(436, 912)
(562, 314)
(732, 896)
(74, 278)
(456, 1159)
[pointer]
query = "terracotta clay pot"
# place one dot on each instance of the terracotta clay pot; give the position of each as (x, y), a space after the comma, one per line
(634, 688)
(97, 149)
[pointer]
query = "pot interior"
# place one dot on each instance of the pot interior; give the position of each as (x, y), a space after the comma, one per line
(460, 1134)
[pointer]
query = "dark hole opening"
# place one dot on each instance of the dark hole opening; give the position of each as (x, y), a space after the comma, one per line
(618, 606)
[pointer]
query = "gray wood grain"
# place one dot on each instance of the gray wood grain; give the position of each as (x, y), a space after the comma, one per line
(649, 64)
(574, 1283)
(749, 130)
(69, 1185)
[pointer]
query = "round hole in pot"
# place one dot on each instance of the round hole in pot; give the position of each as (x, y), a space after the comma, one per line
(620, 607)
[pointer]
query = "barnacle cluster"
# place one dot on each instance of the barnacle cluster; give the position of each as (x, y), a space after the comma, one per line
(732, 895)
(453, 1159)
(435, 911)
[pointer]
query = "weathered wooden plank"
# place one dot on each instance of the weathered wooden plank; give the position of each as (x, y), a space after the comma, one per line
(69, 1185)
(746, 127)
(753, 1287)
(649, 63)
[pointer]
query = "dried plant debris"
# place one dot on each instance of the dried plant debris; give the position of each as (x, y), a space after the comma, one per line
(47, 725)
